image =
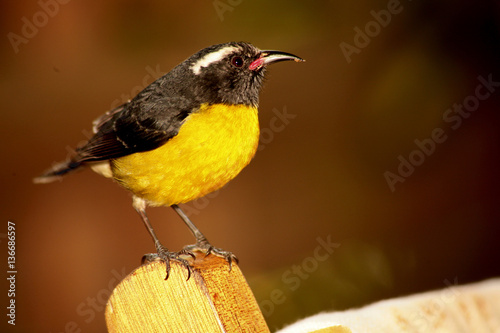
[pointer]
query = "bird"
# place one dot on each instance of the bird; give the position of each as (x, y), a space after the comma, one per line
(185, 135)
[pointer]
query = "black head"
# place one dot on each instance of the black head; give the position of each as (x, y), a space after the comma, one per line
(231, 73)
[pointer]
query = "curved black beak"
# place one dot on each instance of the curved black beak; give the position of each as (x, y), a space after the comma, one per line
(268, 56)
(275, 56)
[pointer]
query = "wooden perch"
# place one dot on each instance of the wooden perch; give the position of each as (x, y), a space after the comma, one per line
(214, 299)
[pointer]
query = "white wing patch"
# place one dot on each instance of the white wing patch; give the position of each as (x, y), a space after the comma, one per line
(212, 57)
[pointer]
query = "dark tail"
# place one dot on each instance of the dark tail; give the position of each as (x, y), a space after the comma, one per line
(57, 171)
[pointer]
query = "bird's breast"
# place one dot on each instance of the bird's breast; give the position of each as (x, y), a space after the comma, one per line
(213, 145)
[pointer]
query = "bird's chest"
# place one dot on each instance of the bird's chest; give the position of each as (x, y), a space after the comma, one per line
(212, 147)
(222, 134)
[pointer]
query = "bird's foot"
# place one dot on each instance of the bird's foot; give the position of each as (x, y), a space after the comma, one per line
(163, 254)
(205, 247)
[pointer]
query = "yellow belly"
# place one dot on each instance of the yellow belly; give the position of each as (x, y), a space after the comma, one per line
(211, 148)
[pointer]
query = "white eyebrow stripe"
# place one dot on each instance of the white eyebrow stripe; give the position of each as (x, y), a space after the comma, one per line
(212, 57)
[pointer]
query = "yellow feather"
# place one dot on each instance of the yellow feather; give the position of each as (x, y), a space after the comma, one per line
(212, 147)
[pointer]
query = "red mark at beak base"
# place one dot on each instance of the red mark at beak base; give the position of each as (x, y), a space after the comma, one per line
(267, 57)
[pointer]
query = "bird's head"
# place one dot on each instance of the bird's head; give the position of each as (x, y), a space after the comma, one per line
(232, 73)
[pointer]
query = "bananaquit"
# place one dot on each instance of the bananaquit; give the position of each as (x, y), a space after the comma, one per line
(182, 137)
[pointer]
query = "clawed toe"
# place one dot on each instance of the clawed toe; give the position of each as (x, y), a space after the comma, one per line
(207, 248)
(166, 256)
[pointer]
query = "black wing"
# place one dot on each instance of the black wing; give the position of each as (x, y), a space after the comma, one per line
(148, 121)
(143, 124)
(140, 125)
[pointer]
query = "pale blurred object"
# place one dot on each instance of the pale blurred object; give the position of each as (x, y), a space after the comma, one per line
(469, 308)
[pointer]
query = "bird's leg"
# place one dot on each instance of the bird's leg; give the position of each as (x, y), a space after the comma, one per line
(202, 243)
(162, 252)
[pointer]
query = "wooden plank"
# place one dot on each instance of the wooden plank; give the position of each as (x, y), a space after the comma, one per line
(214, 299)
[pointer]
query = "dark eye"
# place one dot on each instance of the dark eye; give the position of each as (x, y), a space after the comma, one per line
(237, 61)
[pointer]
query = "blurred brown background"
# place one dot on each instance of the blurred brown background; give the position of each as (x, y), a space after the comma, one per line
(319, 176)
